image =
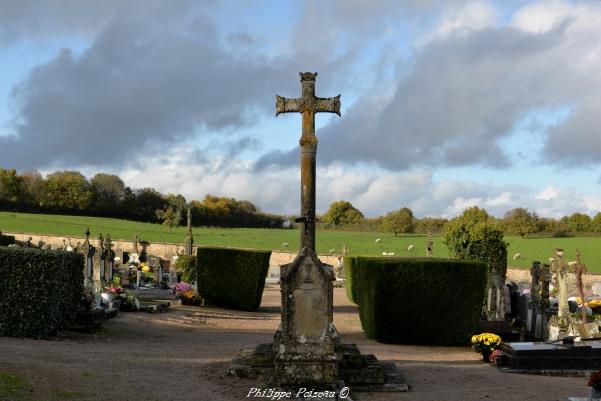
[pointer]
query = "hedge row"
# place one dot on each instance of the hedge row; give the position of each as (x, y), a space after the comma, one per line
(417, 301)
(40, 291)
(6, 240)
(233, 278)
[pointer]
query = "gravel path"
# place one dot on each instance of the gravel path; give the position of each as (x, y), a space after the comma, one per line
(182, 355)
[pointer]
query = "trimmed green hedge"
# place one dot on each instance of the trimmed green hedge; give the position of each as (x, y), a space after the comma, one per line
(351, 291)
(418, 301)
(7, 240)
(233, 278)
(40, 291)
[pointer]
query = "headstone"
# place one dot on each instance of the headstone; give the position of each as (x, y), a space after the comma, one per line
(98, 262)
(596, 288)
(109, 259)
(544, 311)
(534, 306)
(560, 268)
(138, 279)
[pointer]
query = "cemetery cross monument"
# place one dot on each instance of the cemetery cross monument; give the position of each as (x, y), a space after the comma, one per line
(306, 340)
(306, 350)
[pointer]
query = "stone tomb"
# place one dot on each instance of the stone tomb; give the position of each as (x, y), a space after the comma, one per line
(538, 357)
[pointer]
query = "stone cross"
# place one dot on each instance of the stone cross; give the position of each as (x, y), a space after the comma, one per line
(429, 245)
(308, 104)
(579, 271)
(189, 237)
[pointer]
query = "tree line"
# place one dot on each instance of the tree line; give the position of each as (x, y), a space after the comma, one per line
(106, 195)
(518, 221)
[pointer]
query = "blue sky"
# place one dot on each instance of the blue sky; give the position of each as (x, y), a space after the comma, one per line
(445, 104)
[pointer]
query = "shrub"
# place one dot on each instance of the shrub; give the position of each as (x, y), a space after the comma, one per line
(40, 291)
(6, 240)
(478, 240)
(232, 278)
(186, 264)
(418, 301)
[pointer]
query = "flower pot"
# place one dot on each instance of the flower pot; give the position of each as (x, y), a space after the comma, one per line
(486, 355)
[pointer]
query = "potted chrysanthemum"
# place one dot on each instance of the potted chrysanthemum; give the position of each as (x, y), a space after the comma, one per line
(486, 343)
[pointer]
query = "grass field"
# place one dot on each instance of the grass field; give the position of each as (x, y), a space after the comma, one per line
(358, 243)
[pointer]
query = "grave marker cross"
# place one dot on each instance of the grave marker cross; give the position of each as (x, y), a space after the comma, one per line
(308, 104)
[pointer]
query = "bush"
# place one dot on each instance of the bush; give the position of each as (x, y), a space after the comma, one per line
(477, 240)
(232, 278)
(6, 240)
(418, 301)
(186, 264)
(40, 291)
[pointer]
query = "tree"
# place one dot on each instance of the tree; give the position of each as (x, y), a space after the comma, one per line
(520, 221)
(596, 223)
(343, 212)
(400, 221)
(145, 203)
(34, 186)
(579, 223)
(170, 217)
(11, 186)
(430, 225)
(475, 214)
(109, 193)
(68, 190)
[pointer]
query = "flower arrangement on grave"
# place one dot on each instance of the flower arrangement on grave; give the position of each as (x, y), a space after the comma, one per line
(595, 305)
(145, 267)
(115, 290)
(485, 343)
(182, 287)
(595, 381)
(497, 357)
(190, 298)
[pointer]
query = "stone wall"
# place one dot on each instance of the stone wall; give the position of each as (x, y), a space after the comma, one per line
(163, 250)
(167, 251)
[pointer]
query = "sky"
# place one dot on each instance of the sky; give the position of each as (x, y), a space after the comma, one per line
(445, 104)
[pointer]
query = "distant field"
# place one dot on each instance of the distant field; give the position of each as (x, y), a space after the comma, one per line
(359, 243)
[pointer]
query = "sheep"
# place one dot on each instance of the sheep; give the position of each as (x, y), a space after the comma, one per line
(410, 248)
(517, 256)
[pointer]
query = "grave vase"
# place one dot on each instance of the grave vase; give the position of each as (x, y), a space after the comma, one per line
(486, 355)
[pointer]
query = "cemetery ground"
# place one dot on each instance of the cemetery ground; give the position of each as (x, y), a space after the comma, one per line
(358, 243)
(183, 355)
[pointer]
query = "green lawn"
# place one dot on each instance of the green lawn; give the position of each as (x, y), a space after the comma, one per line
(359, 243)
